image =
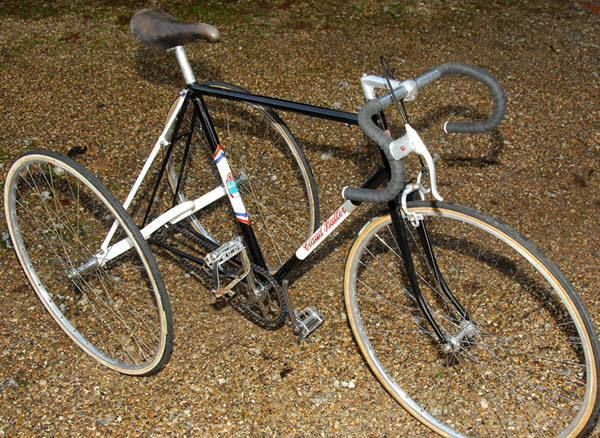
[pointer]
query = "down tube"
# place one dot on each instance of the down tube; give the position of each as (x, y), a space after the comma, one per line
(318, 237)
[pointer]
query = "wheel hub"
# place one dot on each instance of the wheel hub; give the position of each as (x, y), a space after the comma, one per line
(467, 332)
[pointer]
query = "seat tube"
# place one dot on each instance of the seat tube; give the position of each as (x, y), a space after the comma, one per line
(218, 153)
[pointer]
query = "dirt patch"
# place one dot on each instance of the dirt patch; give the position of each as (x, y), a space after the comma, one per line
(73, 77)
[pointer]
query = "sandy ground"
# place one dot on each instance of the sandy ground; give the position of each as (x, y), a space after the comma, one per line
(72, 75)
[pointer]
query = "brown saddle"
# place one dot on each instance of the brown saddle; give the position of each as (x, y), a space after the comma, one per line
(159, 30)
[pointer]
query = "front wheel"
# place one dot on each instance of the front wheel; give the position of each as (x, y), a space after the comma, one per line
(528, 364)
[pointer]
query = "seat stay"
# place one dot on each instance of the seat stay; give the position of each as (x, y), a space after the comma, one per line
(163, 140)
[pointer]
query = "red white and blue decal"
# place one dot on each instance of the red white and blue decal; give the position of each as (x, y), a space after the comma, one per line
(219, 154)
(230, 186)
(243, 218)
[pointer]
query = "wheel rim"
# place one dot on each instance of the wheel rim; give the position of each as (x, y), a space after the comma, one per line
(276, 187)
(419, 394)
(57, 219)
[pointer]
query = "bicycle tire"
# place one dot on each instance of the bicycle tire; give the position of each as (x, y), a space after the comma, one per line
(279, 176)
(58, 214)
(535, 380)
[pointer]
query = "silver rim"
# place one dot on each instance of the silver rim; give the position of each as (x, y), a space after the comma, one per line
(70, 301)
(494, 411)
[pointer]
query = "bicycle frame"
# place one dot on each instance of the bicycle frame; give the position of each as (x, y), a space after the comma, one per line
(194, 93)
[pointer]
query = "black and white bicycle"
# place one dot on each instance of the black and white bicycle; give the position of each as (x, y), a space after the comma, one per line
(463, 321)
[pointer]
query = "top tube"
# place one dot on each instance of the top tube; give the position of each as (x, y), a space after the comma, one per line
(280, 104)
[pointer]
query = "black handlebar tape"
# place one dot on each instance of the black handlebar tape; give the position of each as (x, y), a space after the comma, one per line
(371, 130)
(498, 96)
(382, 138)
(375, 133)
(389, 192)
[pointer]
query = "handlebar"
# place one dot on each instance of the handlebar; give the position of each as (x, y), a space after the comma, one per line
(495, 89)
(408, 88)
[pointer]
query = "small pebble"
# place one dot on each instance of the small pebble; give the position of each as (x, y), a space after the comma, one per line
(326, 156)
(221, 381)
(11, 383)
(105, 421)
(6, 239)
(195, 388)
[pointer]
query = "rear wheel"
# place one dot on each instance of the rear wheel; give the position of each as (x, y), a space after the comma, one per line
(528, 364)
(58, 215)
(275, 180)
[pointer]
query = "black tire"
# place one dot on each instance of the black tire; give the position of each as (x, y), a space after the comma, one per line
(58, 215)
(259, 145)
(529, 363)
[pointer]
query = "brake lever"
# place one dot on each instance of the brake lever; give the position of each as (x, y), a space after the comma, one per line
(411, 142)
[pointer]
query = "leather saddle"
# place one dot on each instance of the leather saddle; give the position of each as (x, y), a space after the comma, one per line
(159, 30)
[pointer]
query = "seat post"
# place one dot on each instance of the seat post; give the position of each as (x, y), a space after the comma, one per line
(184, 64)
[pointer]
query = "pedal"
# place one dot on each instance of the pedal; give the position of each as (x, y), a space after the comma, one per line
(220, 256)
(225, 252)
(307, 321)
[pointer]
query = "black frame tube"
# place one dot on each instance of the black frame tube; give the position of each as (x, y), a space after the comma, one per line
(376, 179)
(166, 159)
(280, 104)
(184, 160)
(402, 242)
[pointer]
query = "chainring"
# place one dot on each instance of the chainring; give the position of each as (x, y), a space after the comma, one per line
(268, 310)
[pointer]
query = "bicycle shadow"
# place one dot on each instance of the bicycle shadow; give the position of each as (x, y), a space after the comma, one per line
(491, 144)
(494, 144)
(160, 67)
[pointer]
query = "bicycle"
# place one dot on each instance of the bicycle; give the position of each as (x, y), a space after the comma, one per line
(439, 297)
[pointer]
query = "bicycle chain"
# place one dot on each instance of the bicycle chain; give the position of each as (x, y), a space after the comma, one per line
(244, 309)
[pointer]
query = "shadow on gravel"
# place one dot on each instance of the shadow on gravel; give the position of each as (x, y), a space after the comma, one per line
(160, 67)
(493, 141)
(38, 10)
(452, 112)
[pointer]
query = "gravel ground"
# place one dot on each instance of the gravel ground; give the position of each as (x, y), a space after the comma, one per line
(72, 75)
